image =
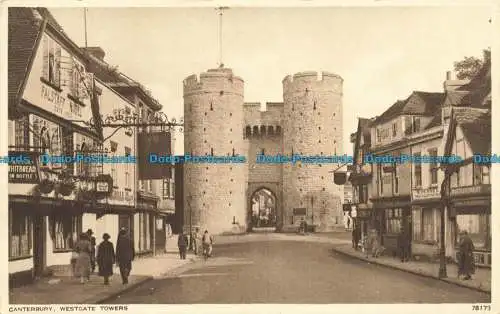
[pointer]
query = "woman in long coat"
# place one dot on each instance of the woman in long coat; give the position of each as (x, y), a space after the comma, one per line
(466, 257)
(84, 250)
(106, 258)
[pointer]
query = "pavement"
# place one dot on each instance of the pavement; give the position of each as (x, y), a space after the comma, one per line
(481, 280)
(289, 272)
(67, 290)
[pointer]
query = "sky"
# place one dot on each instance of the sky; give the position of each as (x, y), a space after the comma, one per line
(382, 53)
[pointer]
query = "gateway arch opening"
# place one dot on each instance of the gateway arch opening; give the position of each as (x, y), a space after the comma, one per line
(263, 216)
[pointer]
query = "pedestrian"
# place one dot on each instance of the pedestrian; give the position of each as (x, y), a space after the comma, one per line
(106, 258)
(83, 248)
(182, 243)
(196, 241)
(74, 258)
(125, 254)
(404, 244)
(367, 243)
(466, 265)
(93, 243)
(355, 236)
(207, 240)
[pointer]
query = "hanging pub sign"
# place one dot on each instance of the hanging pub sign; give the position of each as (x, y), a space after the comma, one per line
(340, 178)
(346, 207)
(299, 211)
(24, 167)
(153, 147)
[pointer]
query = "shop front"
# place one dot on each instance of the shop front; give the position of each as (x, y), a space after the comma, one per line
(426, 222)
(470, 210)
(392, 216)
(145, 224)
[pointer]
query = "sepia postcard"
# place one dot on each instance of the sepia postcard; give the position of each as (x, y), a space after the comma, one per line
(249, 157)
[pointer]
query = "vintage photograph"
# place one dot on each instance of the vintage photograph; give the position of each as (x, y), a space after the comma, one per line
(249, 155)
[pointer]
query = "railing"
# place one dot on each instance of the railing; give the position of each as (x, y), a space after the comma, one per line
(425, 193)
(471, 190)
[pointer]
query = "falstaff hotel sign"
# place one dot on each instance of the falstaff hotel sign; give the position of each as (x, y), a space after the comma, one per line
(23, 167)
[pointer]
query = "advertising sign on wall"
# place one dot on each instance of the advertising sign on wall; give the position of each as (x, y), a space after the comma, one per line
(23, 167)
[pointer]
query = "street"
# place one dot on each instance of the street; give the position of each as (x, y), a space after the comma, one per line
(292, 272)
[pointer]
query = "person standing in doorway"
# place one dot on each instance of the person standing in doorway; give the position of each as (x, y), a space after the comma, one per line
(182, 243)
(84, 249)
(466, 265)
(125, 254)
(93, 244)
(106, 258)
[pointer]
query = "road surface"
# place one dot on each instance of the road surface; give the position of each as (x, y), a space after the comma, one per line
(293, 272)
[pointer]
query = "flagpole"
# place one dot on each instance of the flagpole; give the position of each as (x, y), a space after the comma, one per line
(85, 25)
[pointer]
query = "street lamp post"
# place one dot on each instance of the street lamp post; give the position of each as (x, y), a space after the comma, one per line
(312, 210)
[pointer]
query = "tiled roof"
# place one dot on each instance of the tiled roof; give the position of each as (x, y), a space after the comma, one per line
(418, 103)
(436, 120)
(24, 29)
(117, 80)
(476, 126)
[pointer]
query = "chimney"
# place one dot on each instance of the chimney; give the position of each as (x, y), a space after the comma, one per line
(96, 52)
(451, 84)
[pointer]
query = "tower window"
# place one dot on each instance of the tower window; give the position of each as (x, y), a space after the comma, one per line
(324, 189)
(230, 114)
(314, 106)
(205, 113)
(204, 129)
(211, 151)
(234, 154)
(319, 128)
(211, 106)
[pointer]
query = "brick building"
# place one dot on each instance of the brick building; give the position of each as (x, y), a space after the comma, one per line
(219, 123)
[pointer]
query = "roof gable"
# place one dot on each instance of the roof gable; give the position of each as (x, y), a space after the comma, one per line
(24, 34)
(476, 126)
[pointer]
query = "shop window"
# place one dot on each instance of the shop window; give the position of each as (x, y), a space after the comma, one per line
(393, 220)
(428, 225)
(19, 234)
(478, 226)
(66, 230)
(417, 224)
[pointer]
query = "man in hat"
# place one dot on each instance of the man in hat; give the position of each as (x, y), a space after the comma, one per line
(92, 253)
(125, 254)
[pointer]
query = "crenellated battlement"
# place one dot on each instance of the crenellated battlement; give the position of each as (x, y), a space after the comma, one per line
(214, 80)
(319, 80)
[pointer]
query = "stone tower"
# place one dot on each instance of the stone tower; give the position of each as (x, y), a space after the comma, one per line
(312, 126)
(215, 194)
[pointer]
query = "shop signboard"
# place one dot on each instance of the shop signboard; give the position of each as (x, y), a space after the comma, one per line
(24, 167)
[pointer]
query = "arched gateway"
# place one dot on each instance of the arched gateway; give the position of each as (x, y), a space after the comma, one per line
(264, 207)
